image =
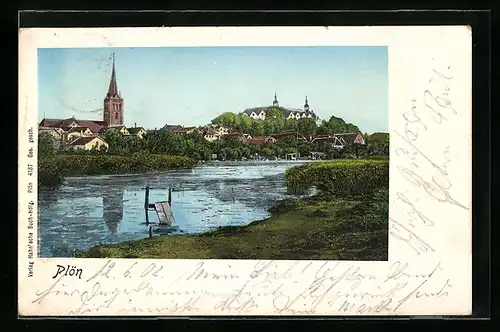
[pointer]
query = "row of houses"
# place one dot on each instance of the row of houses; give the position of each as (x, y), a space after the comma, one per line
(84, 134)
(216, 132)
(339, 141)
(210, 132)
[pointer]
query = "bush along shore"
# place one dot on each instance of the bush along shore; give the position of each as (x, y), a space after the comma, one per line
(346, 220)
(52, 169)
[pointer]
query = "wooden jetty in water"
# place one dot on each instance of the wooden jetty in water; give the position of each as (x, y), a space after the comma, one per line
(163, 209)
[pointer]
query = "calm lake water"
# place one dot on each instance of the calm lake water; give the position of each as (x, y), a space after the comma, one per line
(87, 211)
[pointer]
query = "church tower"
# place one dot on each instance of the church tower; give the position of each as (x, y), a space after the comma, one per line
(306, 106)
(113, 103)
(275, 102)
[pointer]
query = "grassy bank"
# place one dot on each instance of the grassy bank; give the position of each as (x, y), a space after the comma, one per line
(348, 220)
(52, 169)
(321, 227)
(340, 177)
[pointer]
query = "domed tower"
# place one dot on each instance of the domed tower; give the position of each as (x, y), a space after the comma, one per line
(113, 103)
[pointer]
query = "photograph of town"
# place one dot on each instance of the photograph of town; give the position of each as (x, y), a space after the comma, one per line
(214, 153)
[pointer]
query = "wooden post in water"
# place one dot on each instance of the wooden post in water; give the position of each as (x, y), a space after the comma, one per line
(146, 199)
(146, 205)
(170, 197)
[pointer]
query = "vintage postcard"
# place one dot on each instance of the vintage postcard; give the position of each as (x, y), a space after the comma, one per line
(245, 171)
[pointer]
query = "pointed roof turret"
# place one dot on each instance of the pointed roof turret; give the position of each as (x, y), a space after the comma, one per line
(275, 102)
(306, 105)
(113, 87)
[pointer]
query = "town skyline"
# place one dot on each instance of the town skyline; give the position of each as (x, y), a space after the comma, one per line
(74, 82)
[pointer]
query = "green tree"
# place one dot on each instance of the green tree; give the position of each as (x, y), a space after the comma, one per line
(307, 127)
(245, 152)
(118, 144)
(226, 119)
(290, 150)
(268, 152)
(46, 145)
(274, 114)
(279, 151)
(258, 128)
(350, 128)
(287, 141)
(336, 125)
(270, 127)
(304, 148)
(245, 124)
(237, 153)
(231, 142)
(291, 125)
(275, 122)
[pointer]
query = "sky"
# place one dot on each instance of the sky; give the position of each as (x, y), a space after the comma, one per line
(191, 86)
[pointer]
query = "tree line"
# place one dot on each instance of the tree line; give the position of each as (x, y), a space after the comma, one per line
(194, 145)
(275, 122)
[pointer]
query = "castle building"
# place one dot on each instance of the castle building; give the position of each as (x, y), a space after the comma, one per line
(257, 113)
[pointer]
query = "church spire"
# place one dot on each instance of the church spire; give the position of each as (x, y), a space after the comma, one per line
(306, 105)
(113, 87)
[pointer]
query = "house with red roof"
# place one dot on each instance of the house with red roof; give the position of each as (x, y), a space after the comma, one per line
(95, 127)
(295, 135)
(260, 140)
(238, 136)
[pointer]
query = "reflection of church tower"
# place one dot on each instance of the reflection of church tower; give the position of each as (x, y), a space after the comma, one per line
(112, 200)
(306, 105)
(275, 102)
(113, 103)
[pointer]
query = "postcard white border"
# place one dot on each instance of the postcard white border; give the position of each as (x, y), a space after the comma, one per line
(430, 256)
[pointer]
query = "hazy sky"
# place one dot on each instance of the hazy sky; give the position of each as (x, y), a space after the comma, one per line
(192, 85)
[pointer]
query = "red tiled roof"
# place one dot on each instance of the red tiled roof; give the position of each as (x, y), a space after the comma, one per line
(94, 126)
(295, 134)
(284, 133)
(48, 122)
(348, 138)
(258, 139)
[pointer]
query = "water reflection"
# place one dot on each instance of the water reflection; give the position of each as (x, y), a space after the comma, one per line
(87, 211)
(112, 202)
